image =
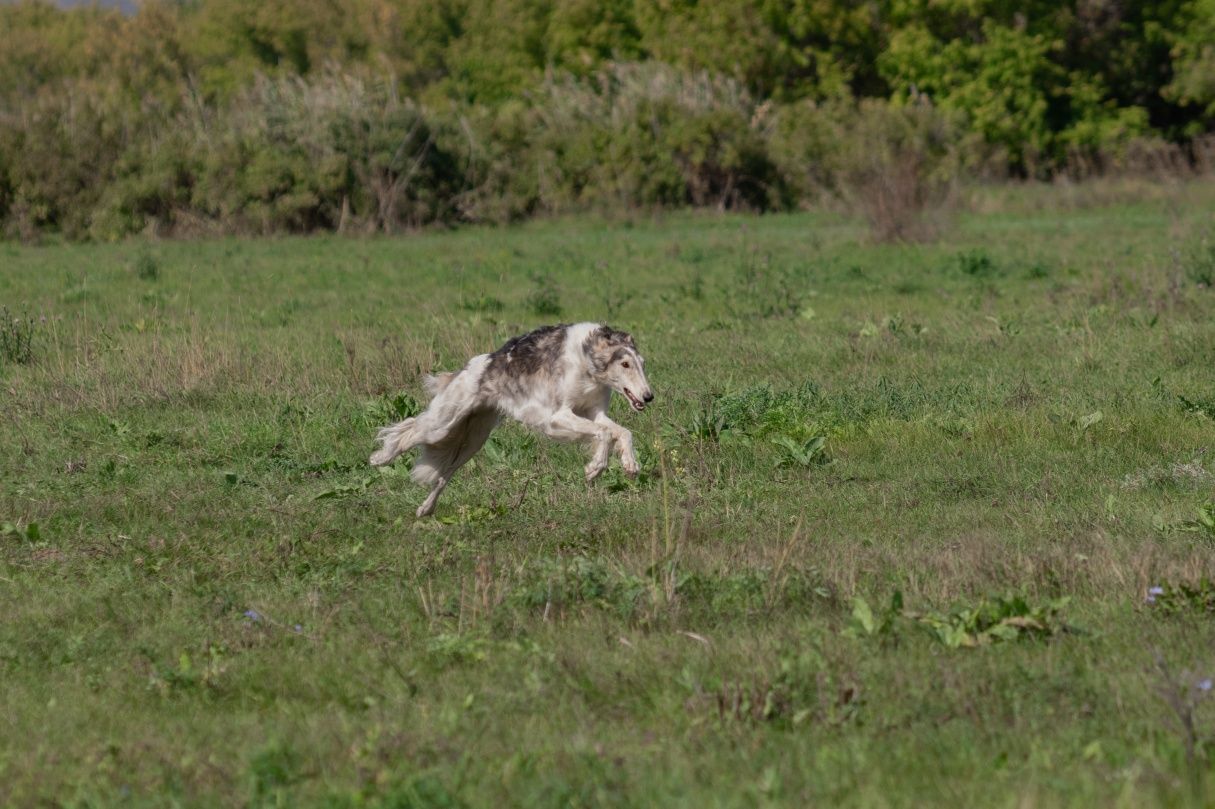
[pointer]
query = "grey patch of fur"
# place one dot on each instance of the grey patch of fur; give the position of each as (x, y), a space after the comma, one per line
(529, 354)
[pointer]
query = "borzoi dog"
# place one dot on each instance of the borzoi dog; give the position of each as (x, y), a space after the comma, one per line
(556, 379)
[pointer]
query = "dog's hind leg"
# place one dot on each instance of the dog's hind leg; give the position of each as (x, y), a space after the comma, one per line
(428, 505)
(440, 461)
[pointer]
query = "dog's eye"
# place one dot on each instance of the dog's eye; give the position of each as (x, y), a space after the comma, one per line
(624, 364)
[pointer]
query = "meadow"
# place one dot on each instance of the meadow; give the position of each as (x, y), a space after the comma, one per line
(917, 525)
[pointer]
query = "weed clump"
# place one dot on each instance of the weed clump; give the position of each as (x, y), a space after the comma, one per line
(990, 620)
(759, 411)
(562, 585)
(481, 304)
(799, 692)
(1197, 262)
(544, 300)
(804, 454)
(389, 409)
(976, 263)
(765, 289)
(794, 422)
(1201, 407)
(559, 587)
(1203, 522)
(1175, 599)
(147, 267)
(17, 337)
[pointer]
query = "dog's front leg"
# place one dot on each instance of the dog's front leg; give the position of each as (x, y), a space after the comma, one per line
(601, 451)
(566, 425)
(624, 444)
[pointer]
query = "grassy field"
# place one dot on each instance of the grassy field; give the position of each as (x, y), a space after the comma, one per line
(900, 512)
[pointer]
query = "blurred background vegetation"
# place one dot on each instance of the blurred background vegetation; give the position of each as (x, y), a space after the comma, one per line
(229, 116)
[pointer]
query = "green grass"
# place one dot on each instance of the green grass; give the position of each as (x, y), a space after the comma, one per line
(209, 598)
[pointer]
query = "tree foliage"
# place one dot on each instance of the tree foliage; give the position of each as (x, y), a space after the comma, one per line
(111, 122)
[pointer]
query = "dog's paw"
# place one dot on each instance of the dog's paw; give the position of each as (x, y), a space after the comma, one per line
(631, 467)
(594, 470)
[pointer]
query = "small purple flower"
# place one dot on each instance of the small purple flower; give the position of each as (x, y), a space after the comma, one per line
(299, 628)
(1152, 593)
(253, 615)
(1204, 685)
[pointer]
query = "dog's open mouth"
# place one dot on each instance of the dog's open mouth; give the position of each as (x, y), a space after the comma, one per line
(636, 403)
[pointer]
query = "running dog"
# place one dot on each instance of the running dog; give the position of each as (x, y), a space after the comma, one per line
(557, 380)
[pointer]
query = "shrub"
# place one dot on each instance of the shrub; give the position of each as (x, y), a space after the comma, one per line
(629, 135)
(151, 187)
(1008, 85)
(64, 145)
(501, 181)
(899, 167)
(228, 116)
(334, 151)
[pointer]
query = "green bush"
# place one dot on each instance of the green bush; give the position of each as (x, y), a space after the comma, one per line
(899, 167)
(627, 136)
(289, 154)
(150, 188)
(332, 152)
(1011, 87)
(62, 148)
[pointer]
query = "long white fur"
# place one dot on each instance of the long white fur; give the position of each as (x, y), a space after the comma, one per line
(566, 402)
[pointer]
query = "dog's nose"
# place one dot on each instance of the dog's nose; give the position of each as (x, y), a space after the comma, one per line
(649, 396)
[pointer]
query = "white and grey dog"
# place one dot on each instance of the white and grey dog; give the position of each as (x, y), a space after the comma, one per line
(556, 379)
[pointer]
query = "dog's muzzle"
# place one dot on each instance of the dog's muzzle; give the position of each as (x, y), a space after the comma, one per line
(635, 403)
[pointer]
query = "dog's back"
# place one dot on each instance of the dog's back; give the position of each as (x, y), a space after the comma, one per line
(537, 352)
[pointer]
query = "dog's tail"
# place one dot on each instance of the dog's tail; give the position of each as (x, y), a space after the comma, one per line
(394, 440)
(437, 383)
(449, 407)
(398, 438)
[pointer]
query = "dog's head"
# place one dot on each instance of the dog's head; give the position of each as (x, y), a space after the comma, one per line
(615, 362)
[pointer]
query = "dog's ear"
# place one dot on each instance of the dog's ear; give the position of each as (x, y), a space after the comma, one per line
(595, 348)
(614, 337)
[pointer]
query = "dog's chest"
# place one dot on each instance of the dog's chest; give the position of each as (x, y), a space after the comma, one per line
(586, 396)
